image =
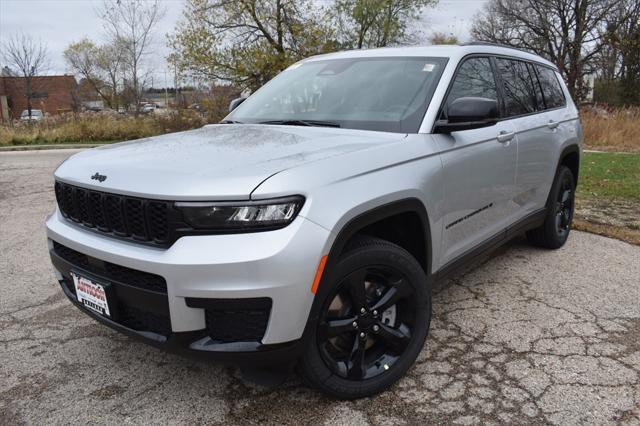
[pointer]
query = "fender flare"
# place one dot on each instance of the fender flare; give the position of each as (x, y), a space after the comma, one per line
(570, 149)
(351, 228)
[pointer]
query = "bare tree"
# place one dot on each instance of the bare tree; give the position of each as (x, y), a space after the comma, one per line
(27, 57)
(100, 66)
(129, 25)
(570, 33)
(377, 23)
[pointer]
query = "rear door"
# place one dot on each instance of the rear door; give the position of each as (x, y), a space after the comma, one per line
(479, 167)
(539, 167)
(524, 108)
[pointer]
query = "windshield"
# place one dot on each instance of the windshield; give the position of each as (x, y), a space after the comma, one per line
(34, 112)
(386, 94)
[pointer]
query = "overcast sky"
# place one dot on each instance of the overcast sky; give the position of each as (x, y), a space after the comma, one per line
(60, 22)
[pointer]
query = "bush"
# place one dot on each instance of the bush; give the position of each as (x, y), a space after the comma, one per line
(98, 127)
(616, 129)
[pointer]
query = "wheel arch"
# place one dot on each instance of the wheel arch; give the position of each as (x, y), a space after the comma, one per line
(373, 221)
(570, 157)
(350, 230)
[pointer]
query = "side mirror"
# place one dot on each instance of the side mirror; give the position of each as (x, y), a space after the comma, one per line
(235, 103)
(468, 113)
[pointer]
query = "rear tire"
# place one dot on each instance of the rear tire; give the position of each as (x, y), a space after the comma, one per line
(553, 233)
(373, 322)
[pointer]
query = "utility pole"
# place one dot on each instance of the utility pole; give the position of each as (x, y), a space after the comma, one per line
(175, 82)
(166, 93)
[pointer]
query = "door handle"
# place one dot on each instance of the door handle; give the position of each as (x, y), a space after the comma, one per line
(505, 136)
(552, 124)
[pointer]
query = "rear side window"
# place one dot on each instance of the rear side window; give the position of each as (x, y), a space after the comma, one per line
(551, 90)
(536, 86)
(473, 79)
(519, 91)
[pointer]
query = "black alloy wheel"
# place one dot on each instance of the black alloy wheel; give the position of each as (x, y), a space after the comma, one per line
(553, 233)
(368, 323)
(564, 206)
(372, 323)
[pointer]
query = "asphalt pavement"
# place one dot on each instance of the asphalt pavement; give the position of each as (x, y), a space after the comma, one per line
(527, 336)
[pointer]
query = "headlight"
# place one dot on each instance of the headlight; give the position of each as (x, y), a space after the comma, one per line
(240, 215)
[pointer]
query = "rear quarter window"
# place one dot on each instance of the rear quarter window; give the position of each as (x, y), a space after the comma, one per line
(551, 90)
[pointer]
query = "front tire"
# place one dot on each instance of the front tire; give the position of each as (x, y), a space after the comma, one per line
(553, 233)
(373, 322)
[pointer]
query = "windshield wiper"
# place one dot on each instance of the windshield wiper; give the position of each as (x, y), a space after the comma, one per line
(230, 122)
(302, 123)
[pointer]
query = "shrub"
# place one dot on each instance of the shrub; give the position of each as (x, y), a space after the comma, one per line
(98, 127)
(611, 129)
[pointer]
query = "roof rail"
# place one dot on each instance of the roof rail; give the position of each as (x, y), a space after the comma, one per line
(489, 43)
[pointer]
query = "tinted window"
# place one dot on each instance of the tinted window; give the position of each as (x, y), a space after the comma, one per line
(536, 86)
(474, 79)
(519, 93)
(551, 89)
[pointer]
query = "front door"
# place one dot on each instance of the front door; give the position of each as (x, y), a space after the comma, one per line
(479, 168)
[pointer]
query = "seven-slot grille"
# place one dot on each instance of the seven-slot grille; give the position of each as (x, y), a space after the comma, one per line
(119, 215)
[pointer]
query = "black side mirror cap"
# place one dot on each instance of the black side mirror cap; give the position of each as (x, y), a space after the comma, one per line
(235, 103)
(469, 113)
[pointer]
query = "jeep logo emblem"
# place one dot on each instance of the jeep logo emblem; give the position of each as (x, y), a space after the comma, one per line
(99, 177)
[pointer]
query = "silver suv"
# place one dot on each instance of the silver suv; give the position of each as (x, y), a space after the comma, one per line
(309, 226)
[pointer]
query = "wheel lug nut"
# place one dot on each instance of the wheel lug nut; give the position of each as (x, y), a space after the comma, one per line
(375, 313)
(376, 328)
(355, 324)
(362, 335)
(363, 310)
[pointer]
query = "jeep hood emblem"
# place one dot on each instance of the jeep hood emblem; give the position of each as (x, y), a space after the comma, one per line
(99, 177)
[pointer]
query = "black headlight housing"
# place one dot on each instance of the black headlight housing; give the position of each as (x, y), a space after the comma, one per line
(241, 216)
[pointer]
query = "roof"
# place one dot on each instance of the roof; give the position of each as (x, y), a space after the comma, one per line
(452, 51)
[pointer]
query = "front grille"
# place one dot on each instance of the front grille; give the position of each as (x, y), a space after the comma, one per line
(121, 216)
(138, 319)
(111, 271)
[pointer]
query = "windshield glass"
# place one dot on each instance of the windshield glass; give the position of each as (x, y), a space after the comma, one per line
(34, 112)
(386, 94)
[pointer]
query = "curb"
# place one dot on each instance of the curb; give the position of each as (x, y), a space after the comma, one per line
(593, 151)
(43, 147)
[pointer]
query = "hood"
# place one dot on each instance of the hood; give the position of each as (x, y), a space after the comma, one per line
(221, 162)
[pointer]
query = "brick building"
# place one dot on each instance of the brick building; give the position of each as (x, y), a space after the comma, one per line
(52, 94)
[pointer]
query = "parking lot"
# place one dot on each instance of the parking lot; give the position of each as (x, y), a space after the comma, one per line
(526, 336)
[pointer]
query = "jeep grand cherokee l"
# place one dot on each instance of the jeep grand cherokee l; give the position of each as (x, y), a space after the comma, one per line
(308, 227)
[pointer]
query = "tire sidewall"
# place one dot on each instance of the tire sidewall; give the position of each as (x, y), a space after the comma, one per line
(551, 230)
(314, 367)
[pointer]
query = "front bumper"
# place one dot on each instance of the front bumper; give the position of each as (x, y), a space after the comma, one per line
(278, 265)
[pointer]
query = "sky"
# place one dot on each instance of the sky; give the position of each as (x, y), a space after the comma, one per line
(61, 22)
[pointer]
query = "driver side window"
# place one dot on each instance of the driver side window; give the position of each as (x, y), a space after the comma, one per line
(474, 78)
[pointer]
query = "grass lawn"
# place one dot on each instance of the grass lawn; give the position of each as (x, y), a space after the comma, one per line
(610, 175)
(608, 195)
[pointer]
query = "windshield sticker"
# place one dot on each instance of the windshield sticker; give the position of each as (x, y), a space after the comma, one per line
(428, 67)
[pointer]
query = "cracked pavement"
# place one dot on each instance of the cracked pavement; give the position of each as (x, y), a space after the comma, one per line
(527, 336)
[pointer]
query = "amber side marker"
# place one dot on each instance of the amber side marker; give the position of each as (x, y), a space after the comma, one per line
(318, 277)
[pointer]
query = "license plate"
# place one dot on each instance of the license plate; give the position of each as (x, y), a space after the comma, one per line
(91, 294)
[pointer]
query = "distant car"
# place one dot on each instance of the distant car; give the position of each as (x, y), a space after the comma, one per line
(36, 115)
(147, 108)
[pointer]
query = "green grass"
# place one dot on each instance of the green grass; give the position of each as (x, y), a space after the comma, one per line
(610, 175)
